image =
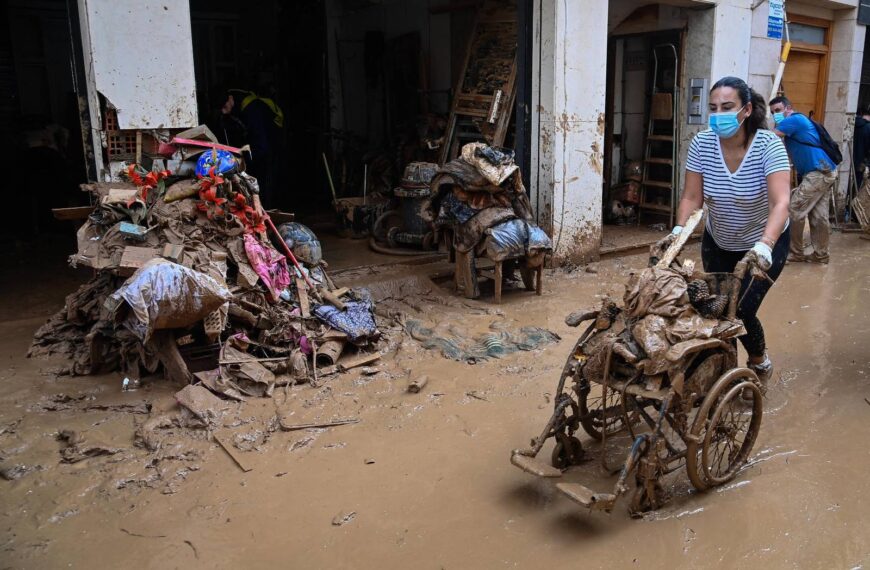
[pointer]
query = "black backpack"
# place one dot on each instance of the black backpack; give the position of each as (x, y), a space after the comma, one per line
(831, 148)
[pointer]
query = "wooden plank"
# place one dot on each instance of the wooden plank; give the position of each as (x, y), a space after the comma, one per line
(302, 293)
(280, 217)
(75, 213)
(236, 457)
(677, 245)
(135, 257)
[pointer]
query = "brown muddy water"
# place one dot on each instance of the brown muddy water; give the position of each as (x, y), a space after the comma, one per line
(424, 480)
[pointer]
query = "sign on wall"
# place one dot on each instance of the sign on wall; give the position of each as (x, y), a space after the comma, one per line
(775, 19)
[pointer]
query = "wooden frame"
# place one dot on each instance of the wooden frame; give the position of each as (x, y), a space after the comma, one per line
(824, 63)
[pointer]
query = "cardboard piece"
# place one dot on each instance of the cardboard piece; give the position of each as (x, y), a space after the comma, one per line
(119, 195)
(135, 257)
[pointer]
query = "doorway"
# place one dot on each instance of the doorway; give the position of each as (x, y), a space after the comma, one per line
(643, 92)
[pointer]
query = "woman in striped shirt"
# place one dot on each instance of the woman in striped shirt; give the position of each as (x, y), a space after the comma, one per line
(739, 170)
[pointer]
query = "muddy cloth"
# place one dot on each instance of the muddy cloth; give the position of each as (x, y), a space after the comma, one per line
(78, 333)
(166, 295)
(454, 211)
(357, 321)
(656, 291)
(718, 260)
(270, 265)
(458, 173)
(516, 238)
(481, 200)
(482, 347)
(496, 165)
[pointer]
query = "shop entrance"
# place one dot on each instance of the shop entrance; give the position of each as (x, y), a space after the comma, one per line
(366, 87)
(643, 93)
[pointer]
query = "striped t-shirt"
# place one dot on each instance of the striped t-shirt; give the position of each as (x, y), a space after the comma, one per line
(737, 205)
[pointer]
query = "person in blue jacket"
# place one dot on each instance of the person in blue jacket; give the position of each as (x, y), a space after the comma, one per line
(816, 173)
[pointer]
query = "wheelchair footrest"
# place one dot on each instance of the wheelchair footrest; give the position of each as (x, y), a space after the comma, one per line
(587, 497)
(534, 466)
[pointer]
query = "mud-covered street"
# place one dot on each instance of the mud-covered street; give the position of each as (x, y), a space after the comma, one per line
(424, 480)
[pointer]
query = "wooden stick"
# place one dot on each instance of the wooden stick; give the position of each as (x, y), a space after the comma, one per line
(341, 422)
(349, 364)
(677, 246)
(304, 303)
(252, 359)
(332, 299)
(329, 177)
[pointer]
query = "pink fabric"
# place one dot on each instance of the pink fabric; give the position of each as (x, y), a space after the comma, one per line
(270, 265)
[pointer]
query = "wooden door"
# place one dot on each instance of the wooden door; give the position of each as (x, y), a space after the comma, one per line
(800, 83)
(805, 81)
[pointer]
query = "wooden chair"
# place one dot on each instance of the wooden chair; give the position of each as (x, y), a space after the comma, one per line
(466, 274)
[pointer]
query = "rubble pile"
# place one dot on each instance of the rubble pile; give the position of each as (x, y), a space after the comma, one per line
(192, 275)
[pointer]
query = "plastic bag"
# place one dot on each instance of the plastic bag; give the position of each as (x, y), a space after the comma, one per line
(516, 238)
(166, 295)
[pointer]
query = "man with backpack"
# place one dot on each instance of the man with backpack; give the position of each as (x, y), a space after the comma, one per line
(815, 157)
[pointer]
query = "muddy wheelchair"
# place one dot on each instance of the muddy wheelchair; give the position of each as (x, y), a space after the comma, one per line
(692, 407)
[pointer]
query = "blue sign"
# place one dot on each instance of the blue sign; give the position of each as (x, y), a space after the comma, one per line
(775, 19)
(774, 28)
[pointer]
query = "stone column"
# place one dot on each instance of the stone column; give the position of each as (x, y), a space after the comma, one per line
(844, 82)
(731, 39)
(571, 41)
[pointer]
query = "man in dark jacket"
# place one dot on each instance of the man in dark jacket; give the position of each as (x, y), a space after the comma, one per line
(861, 146)
(246, 118)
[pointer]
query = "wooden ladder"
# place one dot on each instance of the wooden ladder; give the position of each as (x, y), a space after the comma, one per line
(657, 190)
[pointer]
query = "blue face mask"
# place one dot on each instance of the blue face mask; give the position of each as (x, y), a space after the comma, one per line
(725, 124)
(778, 117)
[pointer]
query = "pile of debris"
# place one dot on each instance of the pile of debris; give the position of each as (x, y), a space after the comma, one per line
(191, 274)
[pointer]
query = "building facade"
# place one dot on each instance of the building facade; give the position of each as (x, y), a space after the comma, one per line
(597, 94)
(613, 83)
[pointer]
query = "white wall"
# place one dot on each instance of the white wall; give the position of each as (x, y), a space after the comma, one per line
(732, 25)
(139, 55)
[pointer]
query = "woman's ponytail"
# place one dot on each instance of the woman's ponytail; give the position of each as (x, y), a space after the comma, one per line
(758, 118)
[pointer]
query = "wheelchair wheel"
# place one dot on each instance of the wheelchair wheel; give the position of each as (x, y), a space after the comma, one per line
(724, 430)
(601, 411)
(568, 451)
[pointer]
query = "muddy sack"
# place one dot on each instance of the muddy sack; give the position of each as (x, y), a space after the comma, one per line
(302, 242)
(656, 291)
(516, 238)
(166, 295)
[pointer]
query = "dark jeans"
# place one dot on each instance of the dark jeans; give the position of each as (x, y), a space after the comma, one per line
(718, 260)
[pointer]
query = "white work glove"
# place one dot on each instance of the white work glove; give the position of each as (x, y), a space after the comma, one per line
(666, 241)
(763, 255)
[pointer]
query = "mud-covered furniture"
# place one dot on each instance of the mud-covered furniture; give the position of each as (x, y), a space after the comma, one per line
(480, 208)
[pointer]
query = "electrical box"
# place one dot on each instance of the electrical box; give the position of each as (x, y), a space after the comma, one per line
(698, 92)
